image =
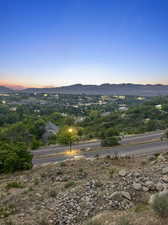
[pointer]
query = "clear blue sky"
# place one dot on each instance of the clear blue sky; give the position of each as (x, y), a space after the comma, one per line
(61, 42)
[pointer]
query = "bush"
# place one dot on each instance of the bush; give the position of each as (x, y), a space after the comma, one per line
(112, 171)
(14, 157)
(5, 211)
(109, 141)
(160, 205)
(35, 144)
(14, 185)
(69, 184)
(52, 193)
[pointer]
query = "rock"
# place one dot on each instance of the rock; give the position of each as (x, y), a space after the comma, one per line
(150, 185)
(153, 162)
(145, 189)
(137, 174)
(126, 195)
(165, 170)
(159, 187)
(164, 179)
(161, 158)
(38, 195)
(137, 186)
(78, 157)
(118, 195)
(122, 173)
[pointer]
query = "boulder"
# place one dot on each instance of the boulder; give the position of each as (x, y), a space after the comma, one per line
(119, 195)
(165, 170)
(122, 173)
(150, 185)
(137, 186)
(159, 187)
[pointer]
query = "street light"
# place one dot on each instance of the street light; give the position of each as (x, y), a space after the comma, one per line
(70, 141)
(70, 130)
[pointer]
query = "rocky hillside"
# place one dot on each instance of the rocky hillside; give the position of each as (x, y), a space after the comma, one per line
(102, 191)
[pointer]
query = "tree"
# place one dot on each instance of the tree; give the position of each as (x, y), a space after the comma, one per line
(14, 157)
(109, 137)
(67, 135)
(38, 128)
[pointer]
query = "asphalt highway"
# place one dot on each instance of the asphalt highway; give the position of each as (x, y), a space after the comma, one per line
(143, 144)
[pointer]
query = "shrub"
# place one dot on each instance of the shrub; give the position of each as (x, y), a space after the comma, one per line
(62, 164)
(109, 141)
(69, 184)
(108, 157)
(14, 185)
(160, 205)
(109, 137)
(97, 156)
(81, 170)
(5, 211)
(52, 193)
(14, 157)
(112, 171)
(35, 144)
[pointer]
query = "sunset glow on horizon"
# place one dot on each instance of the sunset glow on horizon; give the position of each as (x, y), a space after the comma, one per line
(59, 43)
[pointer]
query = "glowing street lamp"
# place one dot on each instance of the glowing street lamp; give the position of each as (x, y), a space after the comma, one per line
(70, 140)
(70, 130)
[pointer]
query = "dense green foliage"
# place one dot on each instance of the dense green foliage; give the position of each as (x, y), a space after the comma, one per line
(65, 137)
(14, 157)
(109, 137)
(29, 132)
(23, 119)
(27, 123)
(160, 205)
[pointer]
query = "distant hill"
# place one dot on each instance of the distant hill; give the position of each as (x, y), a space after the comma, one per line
(4, 90)
(105, 89)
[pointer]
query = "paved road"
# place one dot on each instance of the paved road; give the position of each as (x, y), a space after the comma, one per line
(136, 139)
(141, 138)
(136, 150)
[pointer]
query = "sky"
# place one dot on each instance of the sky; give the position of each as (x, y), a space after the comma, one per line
(47, 43)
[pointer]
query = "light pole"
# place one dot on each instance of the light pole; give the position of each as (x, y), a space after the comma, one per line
(70, 141)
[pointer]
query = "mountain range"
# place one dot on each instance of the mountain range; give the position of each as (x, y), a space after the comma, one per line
(103, 89)
(5, 90)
